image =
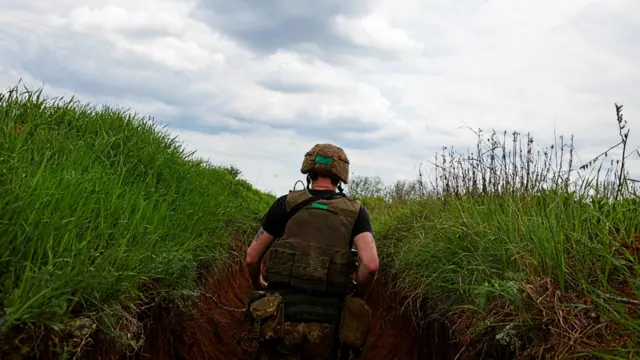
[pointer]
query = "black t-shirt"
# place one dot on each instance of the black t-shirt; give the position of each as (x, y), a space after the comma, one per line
(274, 221)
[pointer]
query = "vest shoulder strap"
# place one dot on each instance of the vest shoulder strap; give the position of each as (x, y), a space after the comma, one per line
(297, 207)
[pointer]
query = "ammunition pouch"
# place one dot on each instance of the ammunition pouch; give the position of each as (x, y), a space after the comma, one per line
(355, 323)
(265, 313)
(311, 272)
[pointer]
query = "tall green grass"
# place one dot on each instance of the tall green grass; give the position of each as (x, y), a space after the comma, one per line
(99, 209)
(497, 233)
(99, 203)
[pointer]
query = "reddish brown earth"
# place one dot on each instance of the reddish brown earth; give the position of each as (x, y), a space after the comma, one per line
(212, 332)
(208, 331)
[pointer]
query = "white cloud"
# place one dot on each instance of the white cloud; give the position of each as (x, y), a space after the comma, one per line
(294, 71)
(257, 83)
(116, 18)
(375, 31)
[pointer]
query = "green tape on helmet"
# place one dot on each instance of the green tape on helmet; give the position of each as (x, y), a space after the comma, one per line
(323, 160)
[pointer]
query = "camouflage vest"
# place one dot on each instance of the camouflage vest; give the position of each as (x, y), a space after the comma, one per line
(314, 253)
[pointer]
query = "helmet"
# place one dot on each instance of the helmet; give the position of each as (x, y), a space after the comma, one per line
(327, 160)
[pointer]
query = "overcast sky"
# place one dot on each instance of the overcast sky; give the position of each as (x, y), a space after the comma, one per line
(256, 83)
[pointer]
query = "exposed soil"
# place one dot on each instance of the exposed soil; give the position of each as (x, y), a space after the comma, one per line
(209, 331)
(212, 332)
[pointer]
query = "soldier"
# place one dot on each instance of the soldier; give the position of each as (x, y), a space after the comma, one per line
(311, 269)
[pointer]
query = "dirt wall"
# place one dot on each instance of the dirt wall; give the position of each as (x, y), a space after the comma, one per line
(214, 333)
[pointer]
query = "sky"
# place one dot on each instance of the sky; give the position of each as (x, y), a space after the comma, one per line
(255, 83)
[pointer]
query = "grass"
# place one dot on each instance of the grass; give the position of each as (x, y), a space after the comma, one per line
(520, 251)
(99, 209)
(516, 248)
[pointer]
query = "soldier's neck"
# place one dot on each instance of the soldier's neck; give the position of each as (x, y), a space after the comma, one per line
(319, 185)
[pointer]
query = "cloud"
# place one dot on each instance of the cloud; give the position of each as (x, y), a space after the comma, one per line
(269, 26)
(374, 31)
(256, 83)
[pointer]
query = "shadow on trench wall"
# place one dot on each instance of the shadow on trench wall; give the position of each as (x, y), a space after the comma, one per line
(211, 332)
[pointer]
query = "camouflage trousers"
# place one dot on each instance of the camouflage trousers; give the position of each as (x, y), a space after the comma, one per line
(302, 341)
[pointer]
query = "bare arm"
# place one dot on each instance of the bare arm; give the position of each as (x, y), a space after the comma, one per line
(369, 262)
(255, 253)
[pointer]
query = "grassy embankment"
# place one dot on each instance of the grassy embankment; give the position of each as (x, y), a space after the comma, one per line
(102, 214)
(520, 251)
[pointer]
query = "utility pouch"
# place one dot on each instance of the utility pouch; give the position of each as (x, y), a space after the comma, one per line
(355, 323)
(266, 315)
(254, 296)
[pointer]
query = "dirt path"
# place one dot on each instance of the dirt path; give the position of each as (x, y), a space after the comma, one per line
(213, 333)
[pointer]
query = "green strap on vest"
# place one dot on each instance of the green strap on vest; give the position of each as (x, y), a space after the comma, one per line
(297, 207)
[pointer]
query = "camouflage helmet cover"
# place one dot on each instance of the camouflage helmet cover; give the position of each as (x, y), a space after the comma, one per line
(327, 160)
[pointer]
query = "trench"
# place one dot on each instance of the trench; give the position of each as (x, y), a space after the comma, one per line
(211, 332)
